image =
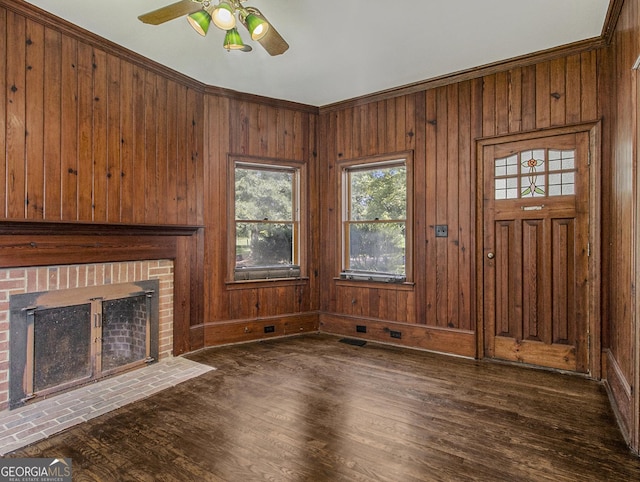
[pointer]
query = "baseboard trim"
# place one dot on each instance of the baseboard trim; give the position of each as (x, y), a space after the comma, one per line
(442, 340)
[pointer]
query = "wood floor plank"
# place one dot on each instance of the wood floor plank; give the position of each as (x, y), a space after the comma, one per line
(313, 409)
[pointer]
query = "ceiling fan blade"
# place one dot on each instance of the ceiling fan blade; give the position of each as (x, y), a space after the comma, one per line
(272, 42)
(169, 12)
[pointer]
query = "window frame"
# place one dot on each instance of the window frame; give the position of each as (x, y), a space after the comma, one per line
(344, 192)
(295, 271)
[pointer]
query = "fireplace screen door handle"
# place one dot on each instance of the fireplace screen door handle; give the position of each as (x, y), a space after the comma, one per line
(97, 320)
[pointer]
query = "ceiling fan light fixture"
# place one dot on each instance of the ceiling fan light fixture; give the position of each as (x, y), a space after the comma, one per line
(223, 16)
(233, 41)
(200, 21)
(257, 26)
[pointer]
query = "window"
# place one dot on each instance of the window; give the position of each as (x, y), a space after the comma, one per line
(375, 220)
(266, 231)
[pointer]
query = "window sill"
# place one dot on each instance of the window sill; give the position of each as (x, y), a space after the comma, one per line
(265, 283)
(381, 285)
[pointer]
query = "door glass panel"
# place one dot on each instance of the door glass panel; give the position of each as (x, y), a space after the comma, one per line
(535, 173)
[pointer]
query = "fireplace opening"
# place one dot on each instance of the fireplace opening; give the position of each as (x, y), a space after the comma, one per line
(60, 339)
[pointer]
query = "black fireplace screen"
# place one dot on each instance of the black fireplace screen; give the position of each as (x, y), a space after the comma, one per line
(59, 339)
(62, 346)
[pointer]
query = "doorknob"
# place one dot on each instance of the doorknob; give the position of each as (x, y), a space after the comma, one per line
(490, 255)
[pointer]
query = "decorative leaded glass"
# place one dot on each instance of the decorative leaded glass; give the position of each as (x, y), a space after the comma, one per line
(535, 173)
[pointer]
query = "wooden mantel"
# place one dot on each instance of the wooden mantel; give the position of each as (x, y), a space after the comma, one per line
(29, 243)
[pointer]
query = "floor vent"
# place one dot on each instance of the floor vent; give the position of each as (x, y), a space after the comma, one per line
(354, 342)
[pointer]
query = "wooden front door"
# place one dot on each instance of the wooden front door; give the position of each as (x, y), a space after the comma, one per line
(536, 249)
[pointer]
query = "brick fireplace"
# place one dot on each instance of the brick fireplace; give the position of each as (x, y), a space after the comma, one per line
(73, 278)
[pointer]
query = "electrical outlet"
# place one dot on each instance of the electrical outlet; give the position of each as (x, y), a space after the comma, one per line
(395, 334)
(442, 231)
(361, 329)
(269, 329)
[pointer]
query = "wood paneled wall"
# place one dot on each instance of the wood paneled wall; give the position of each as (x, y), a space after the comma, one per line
(441, 126)
(92, 137)
(623, 236)
(239, 311)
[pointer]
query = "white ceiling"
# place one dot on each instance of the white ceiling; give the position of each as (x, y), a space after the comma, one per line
(341, 49)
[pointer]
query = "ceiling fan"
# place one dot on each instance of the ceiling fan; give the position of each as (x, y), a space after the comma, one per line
(201, 13)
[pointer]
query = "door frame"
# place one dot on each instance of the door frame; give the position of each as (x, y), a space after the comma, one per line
(594, 326)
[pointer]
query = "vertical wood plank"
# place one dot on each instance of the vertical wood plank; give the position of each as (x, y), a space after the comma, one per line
(69, 125)
(279, 133)
(529, 98)
(301, 136)
(52, 125)
(193, 158)
(431, 159)
(127, 140)
(515, 100)
(410, 124)
(150, 180)
(401, 123)
(558, 95)
(345, 133)
(453, 203)
(85, 132)
(543, 96)
(4, 41)
(360, 131)
(163, 135)
(502, 109)
(138, 172)
(442, 209)
(114, 137)
(476, 232)
(310, 295)
(372, 125)
(262, 120)
(271, 135)
(34, 155)
(182, 295)
(287, 131)
(573, 90)
(183, 153)
(172, 154)
(419, 208)
(489, 106)
(100, 133)
(252, 119)
(241, 131)
(381, 134)
(16, 109)
(589, 83)
(466, 214)
(391, 134)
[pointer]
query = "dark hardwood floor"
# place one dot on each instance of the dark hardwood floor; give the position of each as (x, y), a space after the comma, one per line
(314, 409)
